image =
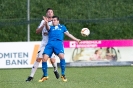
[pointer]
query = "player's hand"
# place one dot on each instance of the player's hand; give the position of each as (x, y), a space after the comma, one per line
(78, 40)
(45, 19)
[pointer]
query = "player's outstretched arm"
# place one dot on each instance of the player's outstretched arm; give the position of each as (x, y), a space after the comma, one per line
(72, 37)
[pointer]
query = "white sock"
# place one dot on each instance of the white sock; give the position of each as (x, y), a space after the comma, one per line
(55, 66)
(34, 68)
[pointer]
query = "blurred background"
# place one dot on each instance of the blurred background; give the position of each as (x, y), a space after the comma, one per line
(106, 19)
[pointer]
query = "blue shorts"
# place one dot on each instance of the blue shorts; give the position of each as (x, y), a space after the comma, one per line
(55, 47)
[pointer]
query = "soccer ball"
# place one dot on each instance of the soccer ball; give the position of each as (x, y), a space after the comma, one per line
(85, 32)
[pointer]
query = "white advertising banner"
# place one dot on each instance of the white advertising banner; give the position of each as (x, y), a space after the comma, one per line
(23, 54)
(19, 54)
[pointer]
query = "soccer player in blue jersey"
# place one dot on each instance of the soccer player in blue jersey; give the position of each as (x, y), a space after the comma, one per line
(42, 29)
(55, 45)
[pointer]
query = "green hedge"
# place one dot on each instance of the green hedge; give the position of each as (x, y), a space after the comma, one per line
(106, 19)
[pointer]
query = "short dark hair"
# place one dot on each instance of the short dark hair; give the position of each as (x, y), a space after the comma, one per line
(56, 17)
(48, 9)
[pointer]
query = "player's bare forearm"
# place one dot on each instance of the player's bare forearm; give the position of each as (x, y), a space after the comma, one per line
(39, 30)
(72, 37)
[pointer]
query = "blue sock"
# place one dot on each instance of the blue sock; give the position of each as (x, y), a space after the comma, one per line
(63, 66)
(44, 69)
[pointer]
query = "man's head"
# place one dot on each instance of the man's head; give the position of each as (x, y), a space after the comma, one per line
(49, 13)
(55, 20)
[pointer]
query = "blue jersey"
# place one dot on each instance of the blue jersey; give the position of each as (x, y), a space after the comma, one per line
(57, 32)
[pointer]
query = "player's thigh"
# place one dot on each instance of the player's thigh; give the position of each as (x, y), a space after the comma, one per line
(48, 50)
(58, 48)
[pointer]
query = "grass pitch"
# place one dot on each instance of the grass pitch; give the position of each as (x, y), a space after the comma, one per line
(81, 77)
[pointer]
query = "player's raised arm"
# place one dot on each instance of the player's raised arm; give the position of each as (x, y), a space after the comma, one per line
(46, 22)
(72, 37)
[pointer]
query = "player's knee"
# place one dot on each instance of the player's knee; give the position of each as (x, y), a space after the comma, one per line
(45, 58)
(61, 56)
(52, 60)
(38, 59)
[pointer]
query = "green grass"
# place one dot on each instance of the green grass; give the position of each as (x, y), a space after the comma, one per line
(81, 77)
